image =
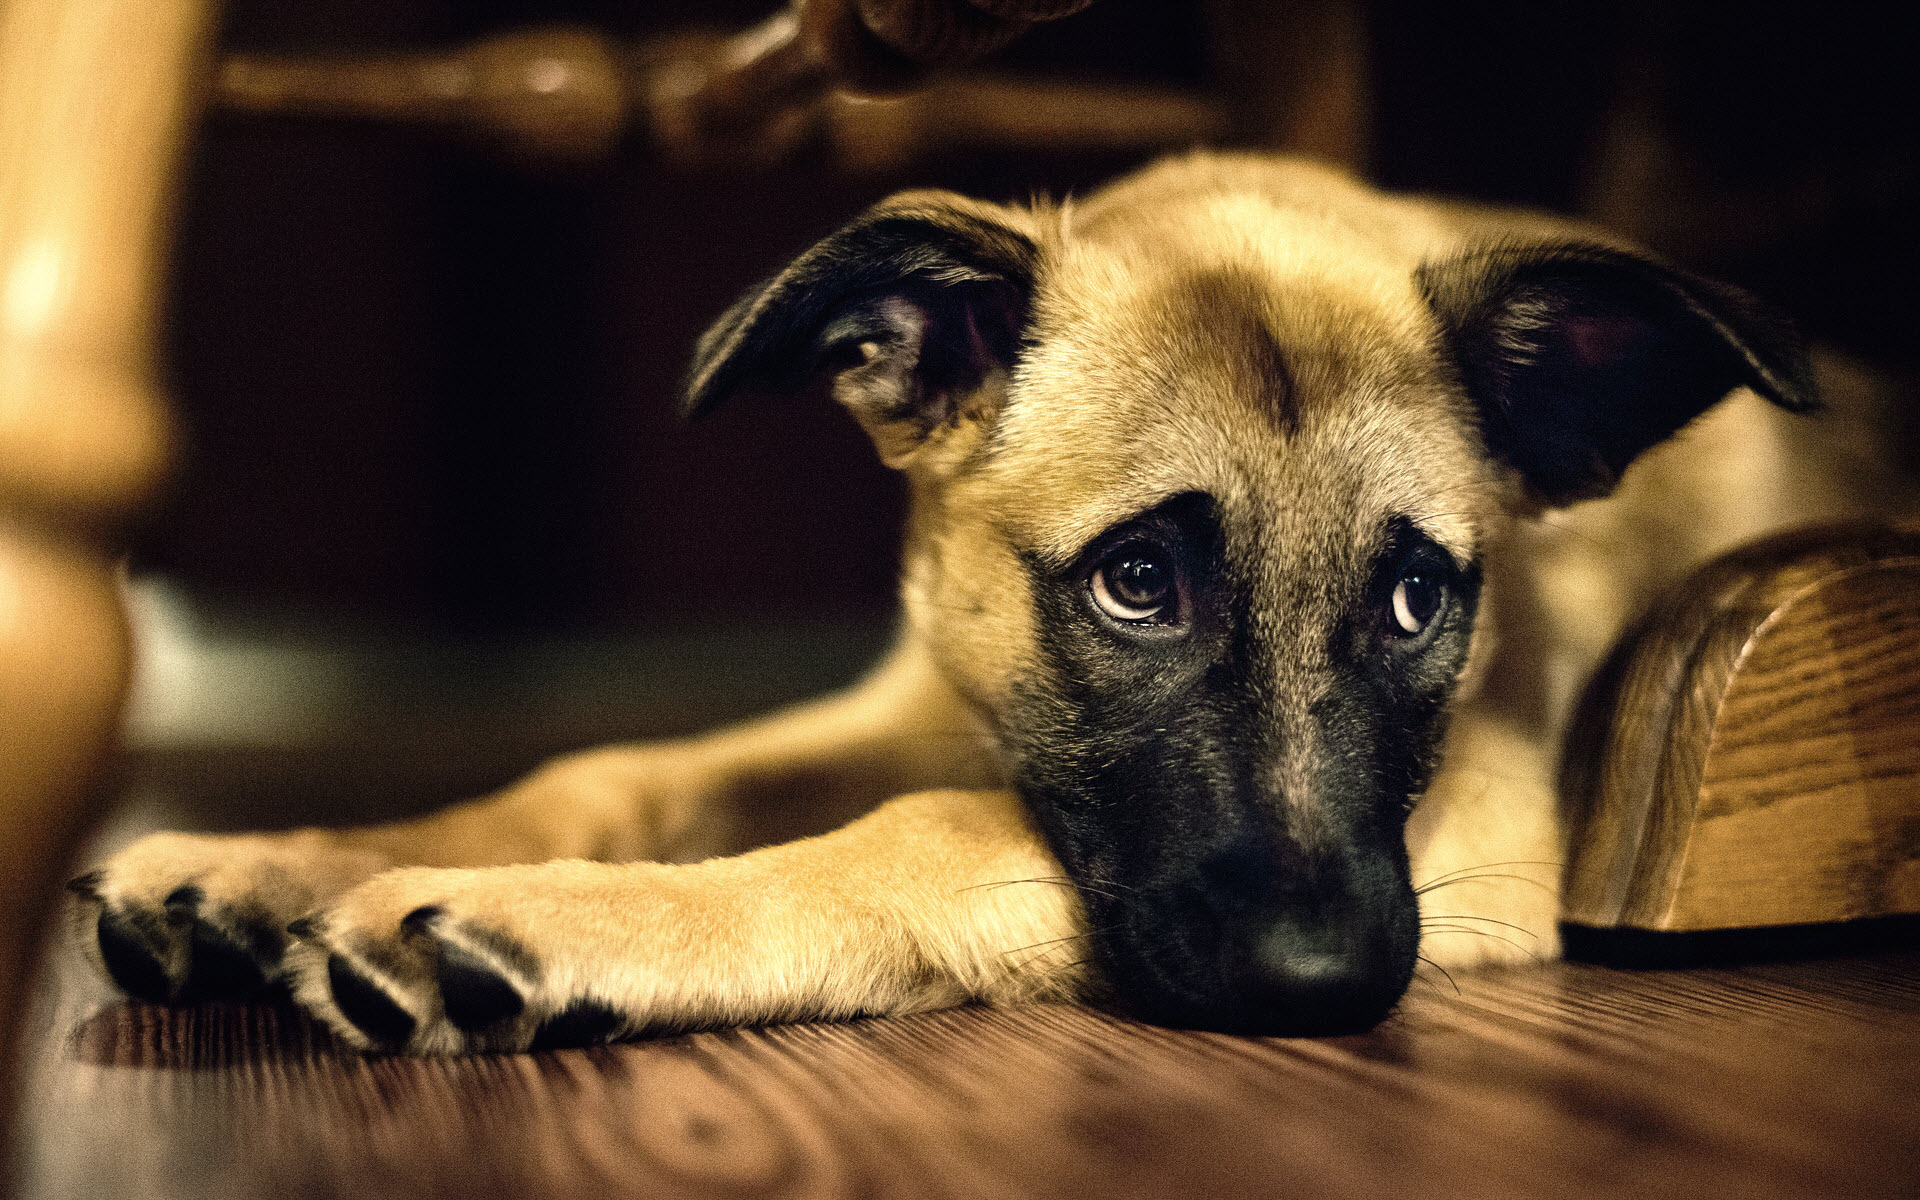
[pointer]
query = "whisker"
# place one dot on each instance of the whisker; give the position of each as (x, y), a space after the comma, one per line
(1436, 966)
(1071, 937)
(1056, 880)
(1518, 862)
(1042, 949)
(1032, 960)
(1489, 920)
(1055, 970)
(1434, 887)
(1498, 937)
(1430, 983)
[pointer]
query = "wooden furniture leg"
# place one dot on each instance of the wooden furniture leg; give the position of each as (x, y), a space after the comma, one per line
(95, 98)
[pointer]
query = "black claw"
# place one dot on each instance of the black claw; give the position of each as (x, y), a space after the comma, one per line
(582, 1023)
(221, 967)
(302, 928)
(421, 920)
(87, 885)
(362, 1002)
(184, 900)
(473, 993)
(130, 961)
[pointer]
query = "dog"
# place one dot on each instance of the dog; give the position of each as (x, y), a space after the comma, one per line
(1263, 530)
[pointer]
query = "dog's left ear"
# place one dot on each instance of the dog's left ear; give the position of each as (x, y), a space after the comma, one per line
(1580, 356)
(911, 309)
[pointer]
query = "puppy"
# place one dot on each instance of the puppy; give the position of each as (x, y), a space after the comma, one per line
(1241, 621)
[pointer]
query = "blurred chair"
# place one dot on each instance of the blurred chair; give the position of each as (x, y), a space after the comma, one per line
(95, 98)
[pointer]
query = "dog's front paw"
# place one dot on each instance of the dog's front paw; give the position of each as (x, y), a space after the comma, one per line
(180, 918)
(430, 961)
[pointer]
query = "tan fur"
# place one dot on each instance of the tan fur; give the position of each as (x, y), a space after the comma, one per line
(1166, 308)
(834, 926)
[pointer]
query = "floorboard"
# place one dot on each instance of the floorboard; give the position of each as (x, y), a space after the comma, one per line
(1776, 1080)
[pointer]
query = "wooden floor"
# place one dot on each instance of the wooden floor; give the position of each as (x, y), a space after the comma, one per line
(1781, 1080)
(1794, 1079)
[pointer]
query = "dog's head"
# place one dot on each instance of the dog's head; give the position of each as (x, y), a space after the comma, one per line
(1200, 474)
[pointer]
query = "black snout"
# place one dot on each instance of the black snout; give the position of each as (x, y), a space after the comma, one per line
(1308, 973)
(1257, 942)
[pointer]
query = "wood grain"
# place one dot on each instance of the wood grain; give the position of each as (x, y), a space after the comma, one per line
(1788, 1080)
(1752, 756)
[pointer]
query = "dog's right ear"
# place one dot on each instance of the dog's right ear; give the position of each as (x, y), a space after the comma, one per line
(912, 309)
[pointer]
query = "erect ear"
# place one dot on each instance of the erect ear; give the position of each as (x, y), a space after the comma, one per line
(1580, 356)
(911, 309)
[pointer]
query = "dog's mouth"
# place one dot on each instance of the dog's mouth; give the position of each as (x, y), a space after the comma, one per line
(1233, 947)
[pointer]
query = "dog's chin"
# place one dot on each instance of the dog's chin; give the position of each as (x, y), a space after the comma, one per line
(1282, 975)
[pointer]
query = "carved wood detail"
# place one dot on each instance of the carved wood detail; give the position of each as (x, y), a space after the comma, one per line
(1752, 756)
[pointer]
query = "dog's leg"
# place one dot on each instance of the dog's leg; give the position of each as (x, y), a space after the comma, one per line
(188, 916)
(931, 900)
(1486, 848)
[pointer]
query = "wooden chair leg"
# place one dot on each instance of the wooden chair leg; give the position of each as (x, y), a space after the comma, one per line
(95, 99)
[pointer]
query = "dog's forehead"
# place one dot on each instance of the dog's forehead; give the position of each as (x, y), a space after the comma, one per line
(1295, 383)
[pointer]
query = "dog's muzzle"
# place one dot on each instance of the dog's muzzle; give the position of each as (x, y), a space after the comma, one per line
(1242, 946)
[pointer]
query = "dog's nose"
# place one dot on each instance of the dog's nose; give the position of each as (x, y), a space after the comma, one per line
(1305, 975)
(1301, 958)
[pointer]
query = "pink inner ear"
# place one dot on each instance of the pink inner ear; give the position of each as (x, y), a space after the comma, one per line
(907, 317)
(1600, 341)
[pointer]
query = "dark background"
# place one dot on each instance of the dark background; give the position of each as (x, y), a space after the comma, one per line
(427, 389)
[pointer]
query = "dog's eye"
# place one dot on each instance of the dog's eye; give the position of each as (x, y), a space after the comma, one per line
(1138, 585)
(1416, 601)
